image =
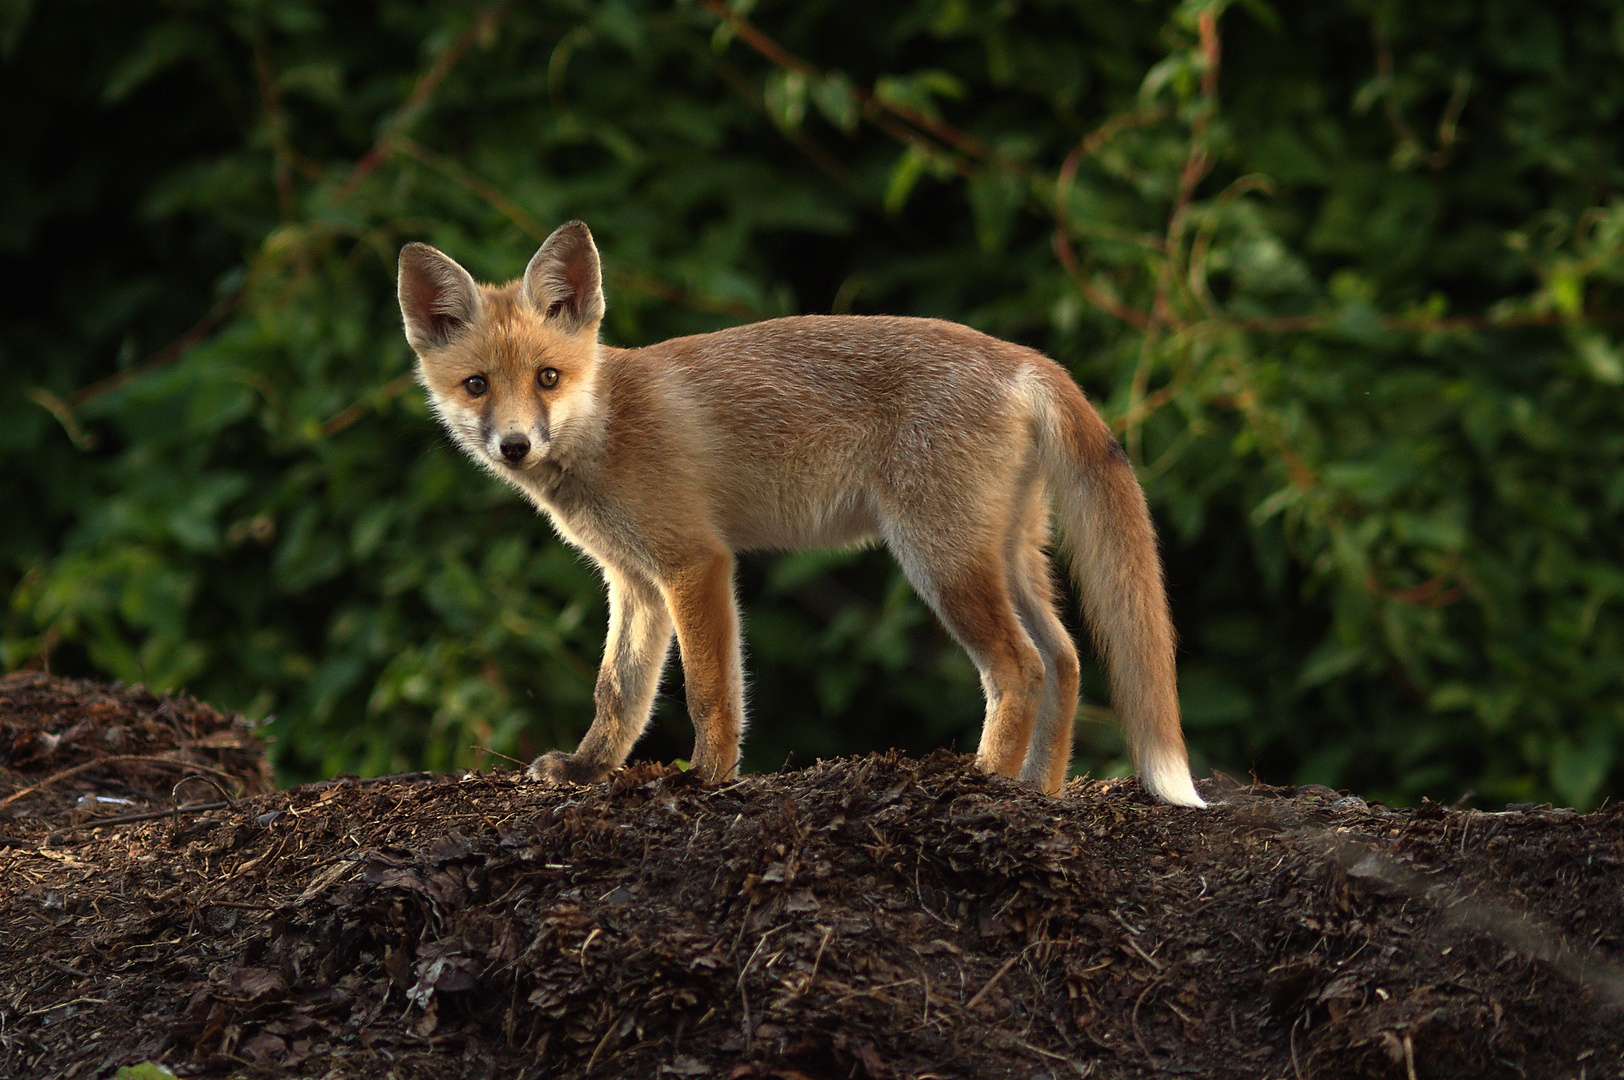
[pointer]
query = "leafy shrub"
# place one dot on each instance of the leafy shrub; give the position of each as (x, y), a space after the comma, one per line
(1345, 276)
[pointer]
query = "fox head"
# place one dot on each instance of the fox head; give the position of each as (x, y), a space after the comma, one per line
(510, 370)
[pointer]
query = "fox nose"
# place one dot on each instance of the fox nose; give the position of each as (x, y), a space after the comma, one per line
(514, 447)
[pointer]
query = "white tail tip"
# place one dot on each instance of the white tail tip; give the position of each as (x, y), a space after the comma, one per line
(1170, 782)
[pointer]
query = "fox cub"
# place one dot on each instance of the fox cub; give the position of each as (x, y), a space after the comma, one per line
(663, 462)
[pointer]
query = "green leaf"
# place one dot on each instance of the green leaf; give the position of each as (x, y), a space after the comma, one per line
(996, 197)
(163, 47)
(836, 98)
(785, 96)
(904, 175)
(147, 1070)
(1579, 767)
(1603, 358)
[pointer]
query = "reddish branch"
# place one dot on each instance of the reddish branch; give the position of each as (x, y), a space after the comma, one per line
(427, 84)
(881, 113)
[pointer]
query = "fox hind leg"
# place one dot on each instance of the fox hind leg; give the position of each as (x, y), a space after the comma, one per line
(971, 597)
(1032, 588)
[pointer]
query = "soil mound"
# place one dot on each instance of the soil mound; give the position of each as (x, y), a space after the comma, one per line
(878, 917)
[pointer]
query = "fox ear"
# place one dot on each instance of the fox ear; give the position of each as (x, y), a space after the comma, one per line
(564, 280)
(438, 298)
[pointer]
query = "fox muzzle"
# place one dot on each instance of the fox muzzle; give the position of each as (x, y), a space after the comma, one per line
(514, 447)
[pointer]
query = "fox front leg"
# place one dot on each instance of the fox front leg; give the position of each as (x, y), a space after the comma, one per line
(634, 654)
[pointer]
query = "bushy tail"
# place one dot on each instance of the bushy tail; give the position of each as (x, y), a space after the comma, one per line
(1107, 532)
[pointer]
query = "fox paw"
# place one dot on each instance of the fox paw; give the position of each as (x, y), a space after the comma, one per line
(559, 767)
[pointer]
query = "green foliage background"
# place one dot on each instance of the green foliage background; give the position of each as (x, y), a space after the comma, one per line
(1347, 277)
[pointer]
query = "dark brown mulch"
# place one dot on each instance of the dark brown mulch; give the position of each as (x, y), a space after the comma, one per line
(78, 748)
(876, 917)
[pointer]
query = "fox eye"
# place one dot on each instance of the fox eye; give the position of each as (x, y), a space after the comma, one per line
(475, 385)
(547, 378)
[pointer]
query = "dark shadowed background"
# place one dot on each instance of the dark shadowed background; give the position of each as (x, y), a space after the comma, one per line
(1347, 278)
